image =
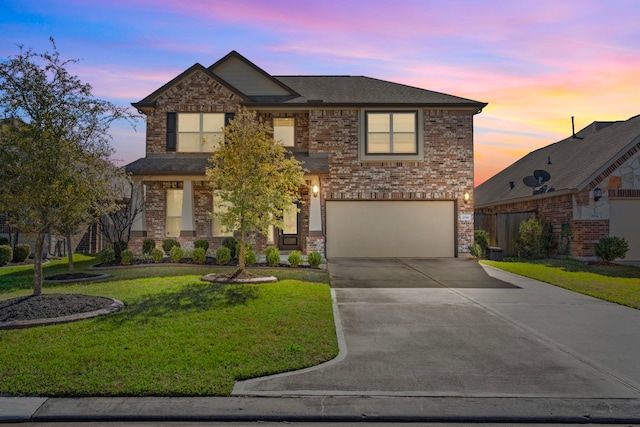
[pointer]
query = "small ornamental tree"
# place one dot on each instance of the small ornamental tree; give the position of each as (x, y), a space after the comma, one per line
(253, 177)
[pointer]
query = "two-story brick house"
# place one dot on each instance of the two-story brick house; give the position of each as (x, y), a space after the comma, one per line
(389, 167)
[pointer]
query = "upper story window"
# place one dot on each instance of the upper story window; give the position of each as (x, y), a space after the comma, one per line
(391, 133)
(199, 132)
(386, 135)
(284, 131)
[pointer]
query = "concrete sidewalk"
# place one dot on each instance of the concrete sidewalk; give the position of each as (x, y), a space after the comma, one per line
(507, 349)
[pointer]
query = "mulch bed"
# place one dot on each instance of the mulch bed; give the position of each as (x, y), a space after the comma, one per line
(48, 306)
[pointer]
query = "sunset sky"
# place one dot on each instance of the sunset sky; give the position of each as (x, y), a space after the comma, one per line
(535, 63)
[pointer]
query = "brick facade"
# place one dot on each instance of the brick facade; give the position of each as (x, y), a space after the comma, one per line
(446, 170)
(445, 174)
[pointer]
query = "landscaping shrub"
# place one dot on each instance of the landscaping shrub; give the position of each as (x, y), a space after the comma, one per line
(223, 255)
(107, 256)
(4, 241)
(147, 246)
(535, 239)
(157, 255)
(199, 255)
(176, 253)
(168, 244)
(6, 254)
(127, 256)
(231, 243)
(476, 251)
(314, 259)
(21, 252)
(610, 248)
(273, 256)
(295, 258)
(480, 244)
(481, 238)
(201, 243)
(249, 257)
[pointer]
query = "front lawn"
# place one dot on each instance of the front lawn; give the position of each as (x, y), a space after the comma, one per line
(615, 283)
(176, 336)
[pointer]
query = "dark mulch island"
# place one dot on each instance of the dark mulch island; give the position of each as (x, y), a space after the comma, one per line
(49, 306)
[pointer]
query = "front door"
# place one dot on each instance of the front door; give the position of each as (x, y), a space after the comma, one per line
(289, 235)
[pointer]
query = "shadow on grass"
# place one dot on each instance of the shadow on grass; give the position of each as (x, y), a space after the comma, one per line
(21, 277)
(194, 297)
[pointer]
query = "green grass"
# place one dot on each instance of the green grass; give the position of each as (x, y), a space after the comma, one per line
(615, 283)
(176, 336)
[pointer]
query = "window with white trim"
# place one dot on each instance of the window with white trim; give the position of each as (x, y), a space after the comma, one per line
(174, 212)
(199, 132)
(284, 131)
(219, 206)
(391, 133)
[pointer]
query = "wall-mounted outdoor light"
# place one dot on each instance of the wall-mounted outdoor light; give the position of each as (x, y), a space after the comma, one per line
(315, 190)
(466, 197)
(597, 194)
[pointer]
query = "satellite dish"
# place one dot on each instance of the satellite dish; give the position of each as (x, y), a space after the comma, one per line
(540, 190)
(541, 175)
(531, 181)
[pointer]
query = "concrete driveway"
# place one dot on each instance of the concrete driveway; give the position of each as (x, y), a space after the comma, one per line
(451, 327)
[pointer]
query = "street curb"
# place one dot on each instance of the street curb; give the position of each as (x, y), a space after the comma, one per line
(325, 408)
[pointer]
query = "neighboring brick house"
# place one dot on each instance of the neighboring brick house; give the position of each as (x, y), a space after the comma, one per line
(592, 191)
(390, 164)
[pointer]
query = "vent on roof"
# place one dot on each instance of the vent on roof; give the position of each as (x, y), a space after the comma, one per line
(315, 101)
(573, 130)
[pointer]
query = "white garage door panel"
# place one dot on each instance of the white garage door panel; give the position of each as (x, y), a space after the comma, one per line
(390, 229)
(623, 222)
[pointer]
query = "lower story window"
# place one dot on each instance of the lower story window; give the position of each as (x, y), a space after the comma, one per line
(174, 212)
(219, 206)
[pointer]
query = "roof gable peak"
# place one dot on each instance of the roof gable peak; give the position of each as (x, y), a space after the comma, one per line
(150, 100)
(248, 78)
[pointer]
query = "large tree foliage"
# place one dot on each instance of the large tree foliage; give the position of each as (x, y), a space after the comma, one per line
(54, 145)
(253, 177)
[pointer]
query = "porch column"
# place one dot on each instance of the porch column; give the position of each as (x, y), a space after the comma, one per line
(188, 221)
(315, 237)
(315, 213)
(139, 225)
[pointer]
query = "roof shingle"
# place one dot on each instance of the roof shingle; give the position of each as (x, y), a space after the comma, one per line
(196, 164)
(572, 162)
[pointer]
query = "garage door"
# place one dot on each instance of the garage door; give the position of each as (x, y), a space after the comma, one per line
(623, 222)
(390, 229)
